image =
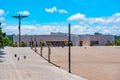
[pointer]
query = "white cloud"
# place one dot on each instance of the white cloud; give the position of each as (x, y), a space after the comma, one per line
(29, 27)
(63, 11)
(51, 10)
(54, 9)
(10, 29)
(32, 29)
(77, 16)
(85, 25)
(114, 19)
(75, 29)
(116, 14)
(96, 20)
(3, 24)
(2, 19)
(1, 12)
(24, 12)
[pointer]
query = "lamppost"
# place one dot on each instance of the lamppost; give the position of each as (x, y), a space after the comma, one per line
(19, 17)
(69, 44)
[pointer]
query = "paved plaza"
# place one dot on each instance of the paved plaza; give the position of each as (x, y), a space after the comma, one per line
(92, 62)
(33, 67)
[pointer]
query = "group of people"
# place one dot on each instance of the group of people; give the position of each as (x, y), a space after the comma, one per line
(18, 58)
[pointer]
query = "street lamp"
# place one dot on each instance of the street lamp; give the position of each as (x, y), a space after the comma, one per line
(69, 44)
(19, 17)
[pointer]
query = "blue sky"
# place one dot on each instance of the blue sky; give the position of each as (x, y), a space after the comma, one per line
(45, 16)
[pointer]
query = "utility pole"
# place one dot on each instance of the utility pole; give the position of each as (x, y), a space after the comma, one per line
(69, 44)
(19, 17)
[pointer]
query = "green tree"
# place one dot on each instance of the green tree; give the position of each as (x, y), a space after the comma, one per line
(7, 41)
(42, 44)
(117, 42)
(14, 45)
(1, 39)
(23, 44)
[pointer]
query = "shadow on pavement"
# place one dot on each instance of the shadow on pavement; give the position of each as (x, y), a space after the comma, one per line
(2, 53)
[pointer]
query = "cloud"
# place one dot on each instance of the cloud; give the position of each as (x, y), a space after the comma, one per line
(54, 9)
(2, 19)
(63, 11)
(96, 20)
(90, 25)
(116, 14)
(114, 19)
(2, 15)
(34, 29)
(39, 29)
(1, 12)
(51, 10)
(77, 16)
(3, 24)
(24, 12)
(10, 29)
(85, 25)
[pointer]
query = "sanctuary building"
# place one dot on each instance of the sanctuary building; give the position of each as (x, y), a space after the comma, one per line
(61, 39)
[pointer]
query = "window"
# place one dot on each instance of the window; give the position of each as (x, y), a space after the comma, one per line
(92, 43)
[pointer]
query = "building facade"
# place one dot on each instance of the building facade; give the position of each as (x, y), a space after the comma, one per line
(58, 39)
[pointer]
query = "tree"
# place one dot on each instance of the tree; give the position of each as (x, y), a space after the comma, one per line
(117, 42)
(42, 44)
(97, 33)
(7, 41)
(23, 44)
(1, 39)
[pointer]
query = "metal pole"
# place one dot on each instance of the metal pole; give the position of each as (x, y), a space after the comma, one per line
(31, 43)
(35, 45)
(19, 30)
(41, 48)
(69, 44)
(49, 52)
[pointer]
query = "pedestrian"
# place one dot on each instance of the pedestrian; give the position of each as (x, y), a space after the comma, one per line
(24, 57)
(85, 47)
(15, 55)
(18, 58)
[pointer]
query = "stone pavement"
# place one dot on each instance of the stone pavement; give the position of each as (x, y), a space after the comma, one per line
(33, 67)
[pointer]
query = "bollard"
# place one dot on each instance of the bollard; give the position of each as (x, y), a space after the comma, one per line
(49, 53)
(35, 45)
(41, 50)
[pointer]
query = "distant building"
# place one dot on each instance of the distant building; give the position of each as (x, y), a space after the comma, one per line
(61, 39)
